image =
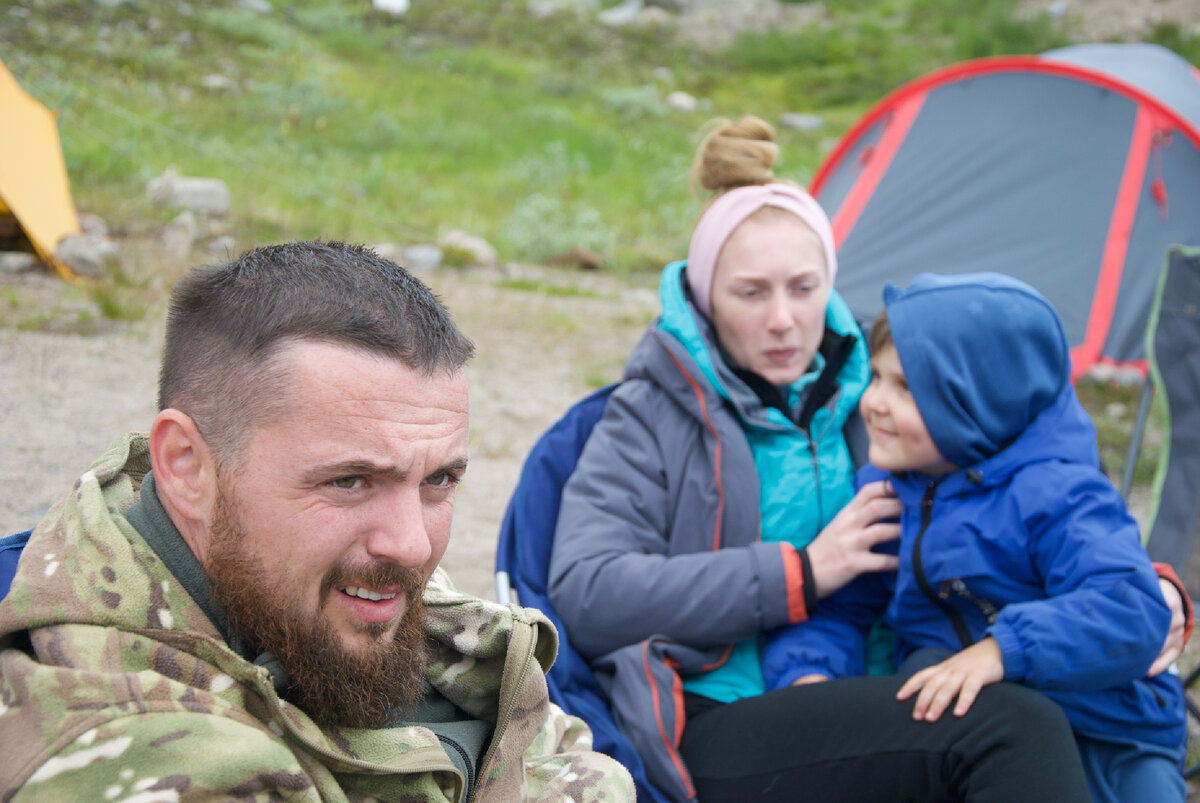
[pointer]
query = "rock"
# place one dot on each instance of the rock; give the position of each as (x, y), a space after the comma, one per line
(543, 9)
(204, 196)
(17, 261)
(397, 8)
(578, 258)
(664, 75)
(224, 246)
(389, 251)
(620, 15)
(257, 6)
(478, 250)
(681, 101)
(655, 16)
(218, 83)
(177, 237)
(422, 258)
(801, 122)
(86, 254)
(93, 225)
(1115, 410)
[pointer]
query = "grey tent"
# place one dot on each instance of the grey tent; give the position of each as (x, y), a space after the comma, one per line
(1075, 171)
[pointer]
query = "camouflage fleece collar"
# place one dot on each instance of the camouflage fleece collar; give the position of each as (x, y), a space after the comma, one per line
(96, 633)
(150, 519)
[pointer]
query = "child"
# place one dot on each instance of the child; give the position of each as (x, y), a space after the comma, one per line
(1018, 558)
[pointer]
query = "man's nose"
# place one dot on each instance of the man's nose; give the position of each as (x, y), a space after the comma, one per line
(399, 533)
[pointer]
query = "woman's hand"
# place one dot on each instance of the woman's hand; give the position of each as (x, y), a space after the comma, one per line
(1173, 646)
(842, 551)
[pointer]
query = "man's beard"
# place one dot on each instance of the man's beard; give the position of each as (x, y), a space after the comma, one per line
(370, 688)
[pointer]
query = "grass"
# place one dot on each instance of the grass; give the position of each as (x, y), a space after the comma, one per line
(1114, 407)
(549, 288)
(540, 135)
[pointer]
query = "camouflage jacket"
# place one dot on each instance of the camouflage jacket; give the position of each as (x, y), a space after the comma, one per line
(115, 685)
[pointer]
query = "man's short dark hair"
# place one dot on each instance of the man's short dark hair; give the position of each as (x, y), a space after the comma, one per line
(227, 323)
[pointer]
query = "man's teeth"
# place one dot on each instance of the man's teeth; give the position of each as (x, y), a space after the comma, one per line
(365, 593)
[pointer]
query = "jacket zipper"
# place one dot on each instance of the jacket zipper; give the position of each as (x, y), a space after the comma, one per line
(958, 586)
(447, 741)
(816, 463)
(524, 643)
(955, 617)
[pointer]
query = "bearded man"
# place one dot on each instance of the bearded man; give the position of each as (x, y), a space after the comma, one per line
(245, 603)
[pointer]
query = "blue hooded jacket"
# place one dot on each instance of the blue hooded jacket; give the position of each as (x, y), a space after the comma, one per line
(1027, 541)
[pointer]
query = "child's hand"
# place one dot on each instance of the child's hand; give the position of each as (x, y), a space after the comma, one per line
(805, 680)
(961, 676)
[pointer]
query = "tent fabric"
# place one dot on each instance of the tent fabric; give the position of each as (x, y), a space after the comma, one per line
(1077, 171)
(33, 175)
(1073, 171)
(1173, 351)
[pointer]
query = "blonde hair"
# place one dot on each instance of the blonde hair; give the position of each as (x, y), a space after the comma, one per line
(735, 154)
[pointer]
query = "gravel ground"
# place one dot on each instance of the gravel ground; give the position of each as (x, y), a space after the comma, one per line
(68, 396)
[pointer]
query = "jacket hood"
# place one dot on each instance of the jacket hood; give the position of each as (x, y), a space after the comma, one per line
(983, 354)
(1062, 433)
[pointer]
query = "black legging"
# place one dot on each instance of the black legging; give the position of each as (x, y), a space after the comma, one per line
(850, 740)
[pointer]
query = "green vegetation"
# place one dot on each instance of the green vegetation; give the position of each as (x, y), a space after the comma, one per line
(540, 135)
(547, 288)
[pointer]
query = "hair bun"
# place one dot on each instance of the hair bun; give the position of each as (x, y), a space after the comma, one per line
(735, 154)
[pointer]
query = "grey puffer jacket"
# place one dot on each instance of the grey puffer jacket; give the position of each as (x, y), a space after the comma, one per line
(658, 566)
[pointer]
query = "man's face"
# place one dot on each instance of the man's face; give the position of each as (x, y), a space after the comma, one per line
(338, 512)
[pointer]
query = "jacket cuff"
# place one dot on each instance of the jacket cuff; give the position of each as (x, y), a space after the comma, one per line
(1016, 668)
(801, 591)
(1189, 620)
(810, 584)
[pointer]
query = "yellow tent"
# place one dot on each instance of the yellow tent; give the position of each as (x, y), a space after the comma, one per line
(33, 176)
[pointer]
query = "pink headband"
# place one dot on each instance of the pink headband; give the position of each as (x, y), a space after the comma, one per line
(727, 213)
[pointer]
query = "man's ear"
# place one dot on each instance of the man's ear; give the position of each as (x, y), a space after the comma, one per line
(185, 473)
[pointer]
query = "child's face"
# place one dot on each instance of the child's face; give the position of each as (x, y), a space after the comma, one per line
(899, 439)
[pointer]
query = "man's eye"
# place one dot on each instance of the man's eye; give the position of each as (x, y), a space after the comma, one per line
(347, 483)
(441, 479)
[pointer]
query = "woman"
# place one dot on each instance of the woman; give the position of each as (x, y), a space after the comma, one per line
(714, 502)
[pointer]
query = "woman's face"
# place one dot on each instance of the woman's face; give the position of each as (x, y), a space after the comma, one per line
(770, 288)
